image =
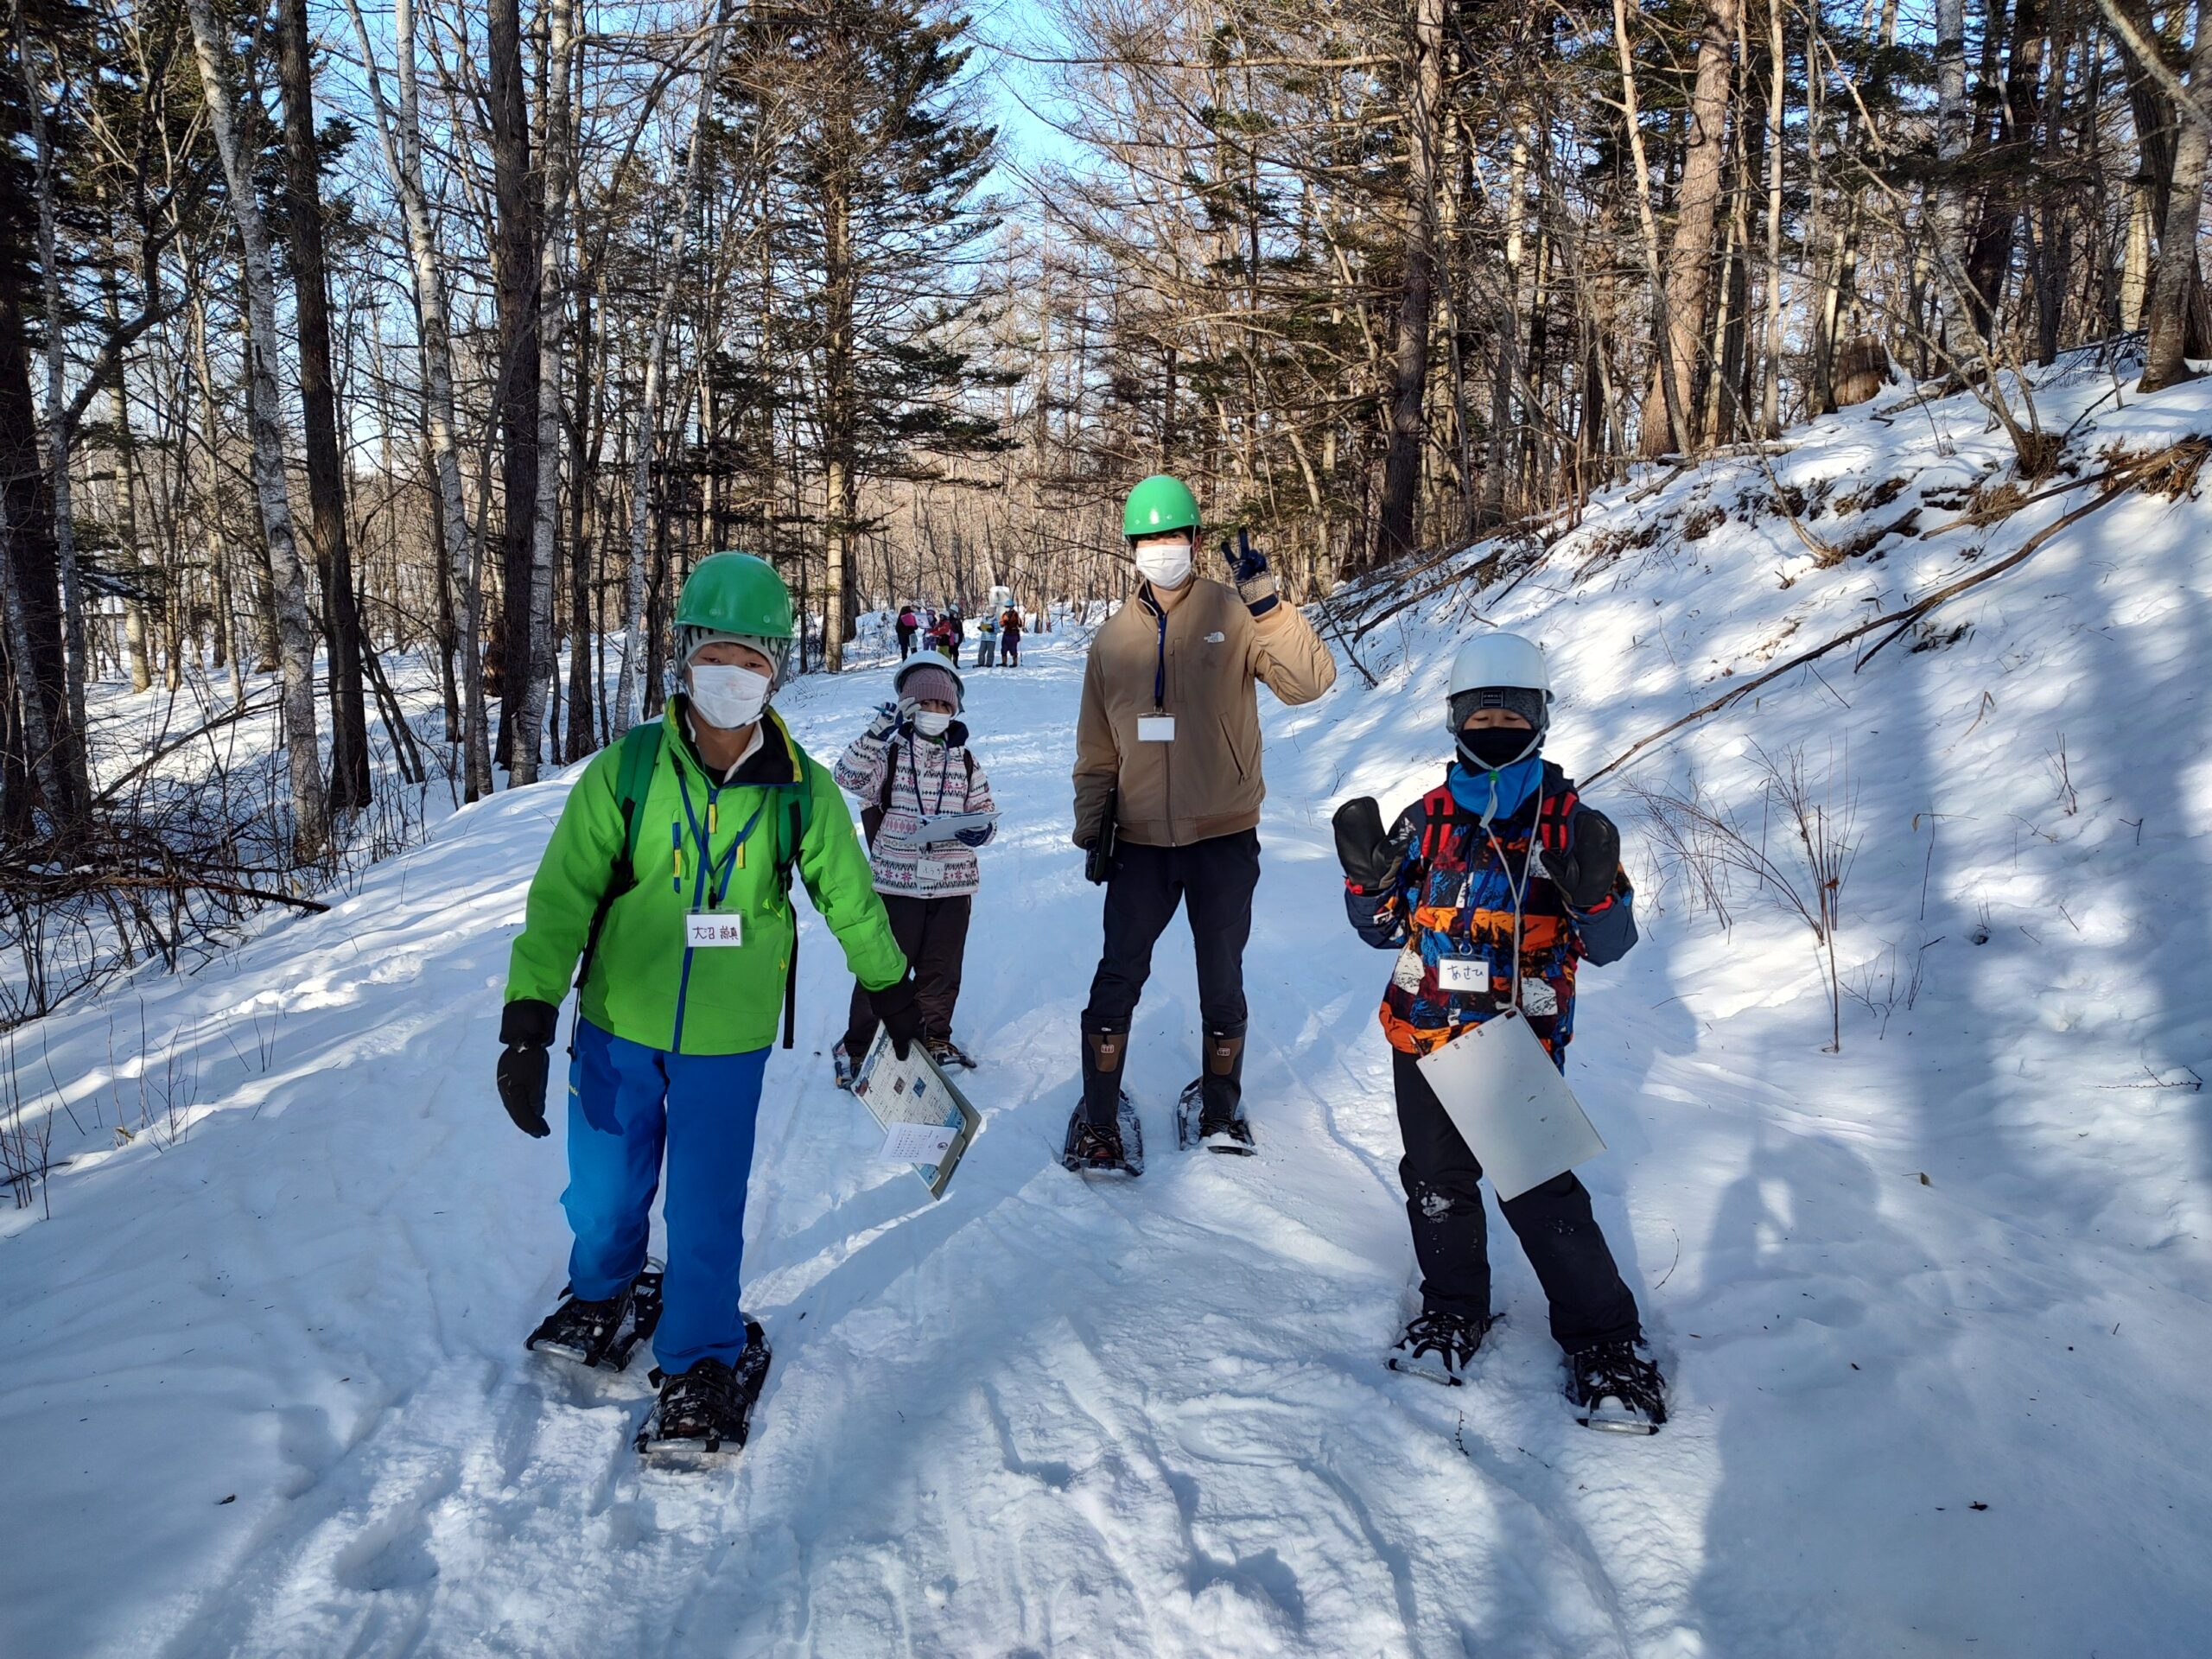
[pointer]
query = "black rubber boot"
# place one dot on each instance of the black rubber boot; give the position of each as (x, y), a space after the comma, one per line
(1221, 1080)
(1104, 1055)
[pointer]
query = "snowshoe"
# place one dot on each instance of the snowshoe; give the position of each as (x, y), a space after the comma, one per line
(602, 1333)
(1117, 1149)
(946, 1052)
(709, 1409)
(1216, 1131)
(1440, 1346)
(840, 1062)
(1616, 1388)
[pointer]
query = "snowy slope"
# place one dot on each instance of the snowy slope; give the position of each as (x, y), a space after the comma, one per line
(261, 1383)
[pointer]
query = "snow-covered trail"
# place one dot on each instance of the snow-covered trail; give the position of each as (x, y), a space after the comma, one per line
(262, 1390)
(1040, 1415)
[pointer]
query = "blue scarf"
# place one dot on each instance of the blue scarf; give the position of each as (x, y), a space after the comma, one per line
(1495, 797)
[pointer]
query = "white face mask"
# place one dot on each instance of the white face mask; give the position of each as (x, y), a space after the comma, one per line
(930, 724)
(728, 696)
(1164, 564)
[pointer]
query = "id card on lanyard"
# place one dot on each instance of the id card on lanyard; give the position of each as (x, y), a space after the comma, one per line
(706, 926)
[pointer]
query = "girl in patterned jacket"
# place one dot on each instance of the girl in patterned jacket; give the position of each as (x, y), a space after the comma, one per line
(1501, 854)
(911, 765)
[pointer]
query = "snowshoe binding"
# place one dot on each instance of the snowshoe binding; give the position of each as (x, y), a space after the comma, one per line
(1216, 1131)
(1617, 1390)
(1118, 1149)
(1440, 1346)
(945, 1052)
(607, 1333)
(708, 1409)
(840, 1062)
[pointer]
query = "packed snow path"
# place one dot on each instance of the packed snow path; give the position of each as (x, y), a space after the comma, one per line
(262, 1390)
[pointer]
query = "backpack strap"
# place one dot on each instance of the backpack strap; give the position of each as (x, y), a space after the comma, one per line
(633, 777)
(1554, 823)
(798, 814)
(871, 815)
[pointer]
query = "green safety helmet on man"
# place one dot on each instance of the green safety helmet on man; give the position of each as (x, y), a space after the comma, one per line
(735, 596)
(1158, 504)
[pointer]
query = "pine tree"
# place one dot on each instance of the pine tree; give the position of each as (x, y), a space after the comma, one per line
(881, 180)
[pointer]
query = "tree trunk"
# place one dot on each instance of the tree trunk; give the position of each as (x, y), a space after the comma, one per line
(2165, 363)
(287, 581)
(1399, 527)
(1953, 132)
(840, 490)
(123, 499)
(1495, 461)
(531, 657)
(1689, 256)
(1777, 84)
(516, 282)
(349, 732)
(1677, 414)
(403, 150)
(70, 737)
(31, 769)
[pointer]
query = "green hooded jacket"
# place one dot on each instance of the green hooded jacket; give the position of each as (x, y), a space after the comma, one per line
(646, 984)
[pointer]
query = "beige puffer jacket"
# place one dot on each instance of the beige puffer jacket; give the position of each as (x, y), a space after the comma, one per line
(1201, 656)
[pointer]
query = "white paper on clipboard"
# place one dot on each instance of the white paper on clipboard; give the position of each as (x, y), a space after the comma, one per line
(1510, 1104)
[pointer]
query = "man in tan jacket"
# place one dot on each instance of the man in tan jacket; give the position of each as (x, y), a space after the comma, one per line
(1168, 743)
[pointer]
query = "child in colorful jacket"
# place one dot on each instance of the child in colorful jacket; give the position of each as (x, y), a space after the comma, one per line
(1503, 852)
(913, 763)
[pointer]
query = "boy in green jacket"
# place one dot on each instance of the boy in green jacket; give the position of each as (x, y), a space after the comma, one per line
(669, 875)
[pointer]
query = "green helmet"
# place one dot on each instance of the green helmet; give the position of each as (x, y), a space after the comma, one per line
(1160, 503)
(736, 596)
(736, 592)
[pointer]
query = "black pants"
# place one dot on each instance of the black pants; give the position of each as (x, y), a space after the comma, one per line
(1010, 651)
(1443, 1201)
(933, 932)
(906, 643)
(1212, 880)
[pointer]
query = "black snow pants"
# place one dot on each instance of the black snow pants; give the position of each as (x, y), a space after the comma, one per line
(905, 641)
(933, 932)
(1212, 880)
(1443, 1201)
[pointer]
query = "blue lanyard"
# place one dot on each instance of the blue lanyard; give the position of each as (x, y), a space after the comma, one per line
(717, 874)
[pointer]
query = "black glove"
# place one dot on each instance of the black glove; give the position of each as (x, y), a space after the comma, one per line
(527, 1028)
(1370, 859)
(1249, 566)
(901, 1015)
(1584, 873)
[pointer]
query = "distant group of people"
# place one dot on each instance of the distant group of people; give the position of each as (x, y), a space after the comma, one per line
(998, 640)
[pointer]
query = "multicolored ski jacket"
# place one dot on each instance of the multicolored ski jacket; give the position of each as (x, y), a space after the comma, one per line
(1451, 901)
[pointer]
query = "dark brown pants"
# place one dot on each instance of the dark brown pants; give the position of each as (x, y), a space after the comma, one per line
(933, 932)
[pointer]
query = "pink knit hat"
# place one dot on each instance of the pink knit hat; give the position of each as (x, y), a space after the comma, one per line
(929, 683)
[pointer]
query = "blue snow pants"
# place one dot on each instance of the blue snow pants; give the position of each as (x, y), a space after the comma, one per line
(625, 1103)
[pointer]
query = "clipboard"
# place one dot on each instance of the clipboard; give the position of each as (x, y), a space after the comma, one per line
(909, 1095)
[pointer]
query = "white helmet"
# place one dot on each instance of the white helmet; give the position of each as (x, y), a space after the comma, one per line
(1499, 658)
(1499, 670)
